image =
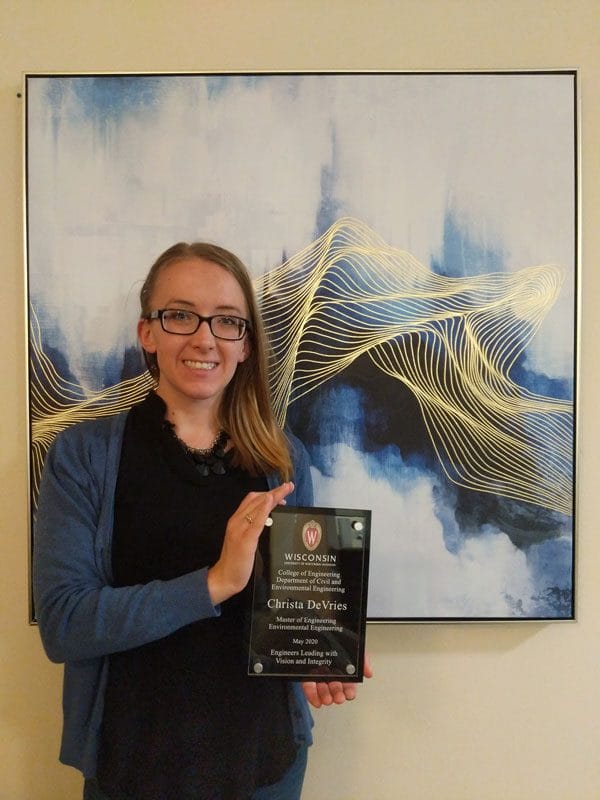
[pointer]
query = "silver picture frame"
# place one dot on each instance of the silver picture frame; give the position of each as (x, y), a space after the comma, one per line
(414, 240)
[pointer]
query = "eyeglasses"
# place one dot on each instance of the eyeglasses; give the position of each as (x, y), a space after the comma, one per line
(183, 323)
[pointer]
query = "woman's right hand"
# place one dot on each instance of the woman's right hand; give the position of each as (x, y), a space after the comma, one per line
(232, 571)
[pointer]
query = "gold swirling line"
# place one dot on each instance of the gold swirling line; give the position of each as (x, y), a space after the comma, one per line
(451, 341)
(56, 403)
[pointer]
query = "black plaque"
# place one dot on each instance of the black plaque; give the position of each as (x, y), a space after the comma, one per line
(309, 602)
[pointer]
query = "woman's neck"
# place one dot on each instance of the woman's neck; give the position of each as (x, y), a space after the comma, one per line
(195, 421)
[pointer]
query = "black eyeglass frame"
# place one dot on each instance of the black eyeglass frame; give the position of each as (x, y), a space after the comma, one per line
(158, 314)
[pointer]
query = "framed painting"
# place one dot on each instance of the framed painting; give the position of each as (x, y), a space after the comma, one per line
(413, 238)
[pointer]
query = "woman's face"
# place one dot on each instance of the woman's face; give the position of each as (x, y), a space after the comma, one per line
(197, 366)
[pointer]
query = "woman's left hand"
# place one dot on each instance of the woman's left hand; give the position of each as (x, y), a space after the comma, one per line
(327, 693)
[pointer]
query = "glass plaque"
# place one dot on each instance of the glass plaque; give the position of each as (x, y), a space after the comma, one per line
(309, 603)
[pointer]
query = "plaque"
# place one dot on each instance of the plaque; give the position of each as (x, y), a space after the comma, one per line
(309, 598)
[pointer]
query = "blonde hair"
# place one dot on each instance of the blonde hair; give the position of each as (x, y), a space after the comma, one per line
(246, 412)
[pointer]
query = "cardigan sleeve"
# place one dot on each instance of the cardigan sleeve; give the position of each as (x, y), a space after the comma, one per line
(80, 615)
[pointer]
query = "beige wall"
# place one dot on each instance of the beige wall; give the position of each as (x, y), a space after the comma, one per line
(456, 712)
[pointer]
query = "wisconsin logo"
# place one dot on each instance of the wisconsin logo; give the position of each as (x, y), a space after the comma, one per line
(311, 535)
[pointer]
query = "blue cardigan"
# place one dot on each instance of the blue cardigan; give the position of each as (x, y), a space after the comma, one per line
(82, 617)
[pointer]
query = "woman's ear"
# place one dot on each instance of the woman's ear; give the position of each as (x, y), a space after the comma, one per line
(146, 336)
(246, 350)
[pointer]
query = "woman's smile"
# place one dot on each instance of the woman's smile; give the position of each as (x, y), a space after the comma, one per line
(205, 365)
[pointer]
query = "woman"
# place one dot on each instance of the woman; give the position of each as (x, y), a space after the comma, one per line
(146, 531)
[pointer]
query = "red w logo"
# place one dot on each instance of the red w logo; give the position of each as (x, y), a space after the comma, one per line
(311, 535)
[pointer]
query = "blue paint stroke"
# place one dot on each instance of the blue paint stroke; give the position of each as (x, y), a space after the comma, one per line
(463, 256)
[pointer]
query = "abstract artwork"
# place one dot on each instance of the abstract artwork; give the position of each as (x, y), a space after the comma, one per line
(413, 241)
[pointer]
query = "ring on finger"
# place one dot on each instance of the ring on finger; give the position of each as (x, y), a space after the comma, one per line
(249, 519)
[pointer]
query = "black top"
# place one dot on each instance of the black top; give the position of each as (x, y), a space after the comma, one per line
(182, 720)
